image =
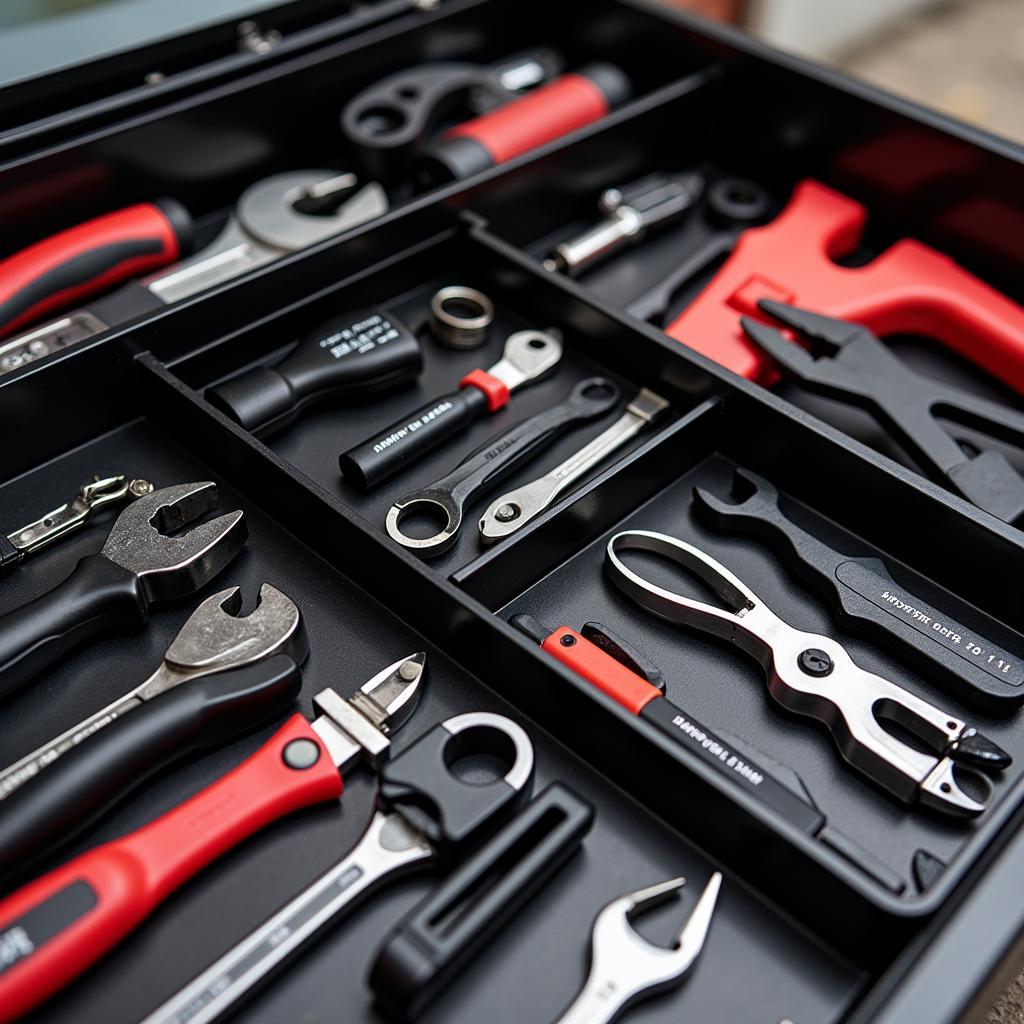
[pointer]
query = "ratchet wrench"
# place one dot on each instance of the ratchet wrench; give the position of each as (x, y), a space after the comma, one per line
(528, 356)
(813, 675)
(624, 966)
(58, 925)
(425, 815)
(515, 509)
(449, 496)
(276, 216)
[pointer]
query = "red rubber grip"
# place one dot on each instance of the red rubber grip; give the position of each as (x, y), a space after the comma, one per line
(495, 390)
(909, 289)
(89, 258)
(549, 112)
(633, 692)
(55, 927)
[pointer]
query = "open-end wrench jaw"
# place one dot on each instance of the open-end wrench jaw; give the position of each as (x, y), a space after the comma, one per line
(170, 567)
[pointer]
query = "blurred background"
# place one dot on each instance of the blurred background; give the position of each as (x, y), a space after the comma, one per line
(965, 57)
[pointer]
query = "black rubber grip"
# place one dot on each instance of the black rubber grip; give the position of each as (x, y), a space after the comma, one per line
(453, 925)
(372, 461)
(79, 786)
(10, 556)
(98, 597)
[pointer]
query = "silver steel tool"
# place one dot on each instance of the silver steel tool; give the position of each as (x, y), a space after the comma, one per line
(141, 563)
(813, 675)
(424, 813)
(515, 509)
(624, 966)
(628, 213)
(214, 639)
(273, 217)
(70, 516)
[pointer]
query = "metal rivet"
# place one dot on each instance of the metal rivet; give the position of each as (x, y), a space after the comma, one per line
(409, 671)
(815, 662)
(301, 754)
(567, 640)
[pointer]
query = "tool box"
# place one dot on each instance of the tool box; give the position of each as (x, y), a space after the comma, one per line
(866, 903)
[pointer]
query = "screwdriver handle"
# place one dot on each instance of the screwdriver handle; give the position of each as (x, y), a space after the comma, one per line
(372, 461)
(70, 266)
(55, 927)
(77, 787)
(99, 595)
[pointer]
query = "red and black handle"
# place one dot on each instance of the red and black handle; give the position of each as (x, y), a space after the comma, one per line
(89, 258)
(548, 112)
(55, 927)
(643, 698)
(908, 289)
(372, 461)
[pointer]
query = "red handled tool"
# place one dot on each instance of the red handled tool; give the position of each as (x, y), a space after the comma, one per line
(548, 112)
(624, 674)
(909, 289)
(58, 925)
(90, 258)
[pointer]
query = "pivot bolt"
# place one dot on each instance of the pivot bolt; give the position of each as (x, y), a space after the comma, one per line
(506, 513)
(815, 662)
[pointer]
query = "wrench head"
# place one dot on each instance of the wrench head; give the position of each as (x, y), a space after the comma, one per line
(216, 637)
(528, 355)
(172, 567)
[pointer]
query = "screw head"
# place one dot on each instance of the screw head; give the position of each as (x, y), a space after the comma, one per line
(409, 671)
(815, 662)
(506, 513)
(567, 640)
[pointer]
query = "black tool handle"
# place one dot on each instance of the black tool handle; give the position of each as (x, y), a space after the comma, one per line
(977, 658)
(10, 556)
(446, 931)
(99, 596)
(724, 755)
(77, 788)
(372, 461)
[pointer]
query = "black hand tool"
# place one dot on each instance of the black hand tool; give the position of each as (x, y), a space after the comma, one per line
(847, 362)
(139, 565)
(423, 954)
(528, 356)
(629, 214)
(448, 497)
(620, 671)
(952, 645)
(58, 804)
(730, 206)
(357, 353)
(70, 516)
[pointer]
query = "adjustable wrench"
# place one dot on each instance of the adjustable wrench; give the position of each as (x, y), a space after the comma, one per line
(515, 509)
(276, 216)
(113, 590)
(215, 639)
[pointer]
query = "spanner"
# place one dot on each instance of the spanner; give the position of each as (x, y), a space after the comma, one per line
(528, 356)
(214, 639)
(449, 496)
(515, 509)
(139, 565)
(624, 966)
(273, 217)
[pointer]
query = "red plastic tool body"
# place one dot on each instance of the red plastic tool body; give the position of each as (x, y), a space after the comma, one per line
(610, 676)
(129, 877)
(495, 390)
(84, 260)
(549, 112)
(908, 289)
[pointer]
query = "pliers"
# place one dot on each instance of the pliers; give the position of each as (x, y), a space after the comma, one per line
(847, 362)
(810, 674)
(140, 565)
(50, 794)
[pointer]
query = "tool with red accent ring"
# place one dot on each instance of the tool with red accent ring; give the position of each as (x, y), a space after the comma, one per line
(528, 356)
(908, 289)
(89, 258)
(55, 927)
(621, 672)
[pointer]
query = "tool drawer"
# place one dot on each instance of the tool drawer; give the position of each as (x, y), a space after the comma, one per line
(680, 471)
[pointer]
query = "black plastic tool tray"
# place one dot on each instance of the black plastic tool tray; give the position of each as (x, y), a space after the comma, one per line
(803, 934)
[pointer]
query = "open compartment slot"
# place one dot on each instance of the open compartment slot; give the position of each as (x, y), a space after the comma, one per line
(593, 349)
(909, 858)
